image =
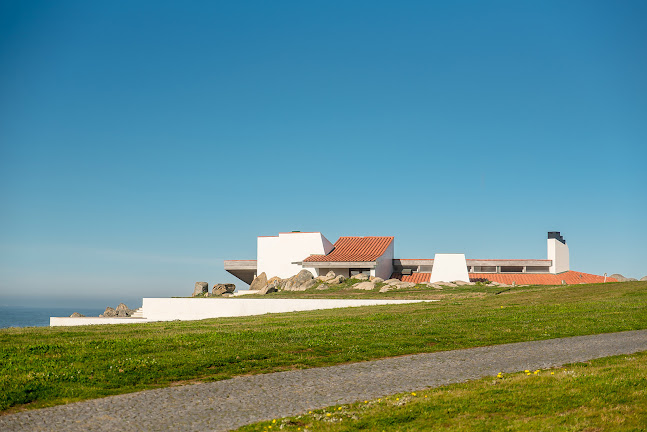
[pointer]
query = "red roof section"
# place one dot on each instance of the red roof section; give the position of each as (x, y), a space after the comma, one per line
(570, 277)
(354, 249)
(414, 277)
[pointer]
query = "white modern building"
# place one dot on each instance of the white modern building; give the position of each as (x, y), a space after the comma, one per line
(286, 254)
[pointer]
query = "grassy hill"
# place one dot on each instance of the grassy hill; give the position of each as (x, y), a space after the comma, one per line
(46, 366)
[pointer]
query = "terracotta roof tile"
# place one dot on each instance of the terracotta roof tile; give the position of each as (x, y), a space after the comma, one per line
(414, 277)
(354, 249)
(570, 277)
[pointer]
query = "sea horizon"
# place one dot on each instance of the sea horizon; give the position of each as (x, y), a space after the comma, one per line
(38, 316)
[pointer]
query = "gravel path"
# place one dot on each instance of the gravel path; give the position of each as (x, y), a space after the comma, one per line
(224, 405)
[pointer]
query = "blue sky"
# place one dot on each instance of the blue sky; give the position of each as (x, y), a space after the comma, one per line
(142, 143)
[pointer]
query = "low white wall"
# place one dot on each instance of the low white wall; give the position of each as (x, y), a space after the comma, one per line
(187, 309)
(167, 309)
(67, 321)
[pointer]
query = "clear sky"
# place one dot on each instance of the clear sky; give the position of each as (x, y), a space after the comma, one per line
(144, 142)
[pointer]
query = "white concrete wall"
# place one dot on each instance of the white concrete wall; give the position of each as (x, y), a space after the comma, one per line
(187, 309)
(449, 267)
(558, 253)
(384, 267)
(67, 321)
(275, 255)
(167, 309)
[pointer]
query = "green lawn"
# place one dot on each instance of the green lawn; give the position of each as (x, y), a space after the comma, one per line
(607, 394)
(46, 366)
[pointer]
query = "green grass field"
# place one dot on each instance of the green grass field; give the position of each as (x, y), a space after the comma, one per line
(47, 366)
(607, 394)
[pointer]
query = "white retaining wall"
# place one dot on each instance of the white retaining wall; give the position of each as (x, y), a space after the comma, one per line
(186, 309)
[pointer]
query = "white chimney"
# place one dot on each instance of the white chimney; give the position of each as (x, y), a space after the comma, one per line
(557, 253)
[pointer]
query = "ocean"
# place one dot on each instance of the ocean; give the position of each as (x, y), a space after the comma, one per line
(24, 316)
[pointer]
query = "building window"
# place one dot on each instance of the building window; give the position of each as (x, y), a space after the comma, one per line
(356, 271)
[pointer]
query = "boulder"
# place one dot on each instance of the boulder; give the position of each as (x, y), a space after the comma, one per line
(621, 278)
(297, 281)
(259, 282)
(360, 276)
(307, 285)
(387, 288)
(109, 312)
(268, 289)
(221, 289)
(323, 286)
(274, 279)
(461, 283)
(376, 279)
(328, 276)
(336, 280)
(366, 286)
(390, 281)
(77, 315)
(200, 288)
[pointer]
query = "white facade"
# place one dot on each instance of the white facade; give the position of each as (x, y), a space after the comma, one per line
(558, 254)
(449, 267)
(282, 255)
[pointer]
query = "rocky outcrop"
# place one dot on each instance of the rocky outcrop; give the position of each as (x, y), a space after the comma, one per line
(644, 278)
(268, 289)
(366, 286)
(327, 277)
(108, 313)
(259, 282)
(376, 279)
(323, 286)
(224, 288)
(393, 284)
(621, 278)
(296, 282)
(360, 276)
(77, 315)
(336, 280)
(200, 288)
(274, 279)
(122, 311)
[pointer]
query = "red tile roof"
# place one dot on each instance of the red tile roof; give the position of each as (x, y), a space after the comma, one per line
(570, 277)
(354, 249)
(414, 277)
